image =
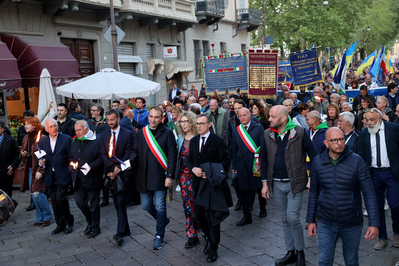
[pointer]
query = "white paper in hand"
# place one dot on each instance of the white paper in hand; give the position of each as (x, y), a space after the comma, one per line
(126, 165)
(85, 169)
(40, 154)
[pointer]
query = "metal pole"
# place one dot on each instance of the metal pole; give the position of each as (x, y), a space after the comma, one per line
(114, 35)
(264, 23)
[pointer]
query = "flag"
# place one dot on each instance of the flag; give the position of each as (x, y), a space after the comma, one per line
(340, 74)
(349, 54)
(367, 62)
(375, 69)
(335, 69)
(383, 63)
(390, 65)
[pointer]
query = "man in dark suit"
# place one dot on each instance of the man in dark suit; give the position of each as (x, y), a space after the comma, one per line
(243, 158)
(379, 148)
(85, 151)
(156, 150)
(121, 144)
(56, 175)
(173, 92)
(206, 147)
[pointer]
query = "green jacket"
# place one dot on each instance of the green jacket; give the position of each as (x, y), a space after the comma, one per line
(218, 125)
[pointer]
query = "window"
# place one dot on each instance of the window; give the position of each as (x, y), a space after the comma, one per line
(128, 62)
(223, 48)
(226, 3)
(243, 47)
(205, 48)
(150, 50)
(197, 58)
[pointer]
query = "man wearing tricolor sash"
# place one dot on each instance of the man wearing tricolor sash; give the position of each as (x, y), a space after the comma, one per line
(285, 162)
(246, 147)
(155, 154)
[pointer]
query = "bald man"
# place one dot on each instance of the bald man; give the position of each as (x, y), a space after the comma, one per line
(337, 205)
(287, 176)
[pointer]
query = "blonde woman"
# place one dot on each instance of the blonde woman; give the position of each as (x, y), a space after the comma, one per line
(186, 126)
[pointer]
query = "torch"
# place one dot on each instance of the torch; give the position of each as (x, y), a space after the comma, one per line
(111, 149)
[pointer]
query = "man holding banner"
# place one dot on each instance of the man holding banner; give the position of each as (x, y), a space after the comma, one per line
(155, 148)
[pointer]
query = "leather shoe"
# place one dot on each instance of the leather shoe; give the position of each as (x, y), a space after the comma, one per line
(94, 233)
(207, 248)
(246, 220)
(104, 203)
(262, 213)
(238, 206)
(31, 206)
(300, 258)
(192, 242)
(122, 234)
(68, 229)
(288, 258)
(88, 229)
(212, 257)
(37, 224)
(119, 239)
(58, 230)
(46, 223)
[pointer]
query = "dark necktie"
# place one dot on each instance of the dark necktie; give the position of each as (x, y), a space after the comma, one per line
(114, 145)
(202, 144)
(246, 128)
(377, 140)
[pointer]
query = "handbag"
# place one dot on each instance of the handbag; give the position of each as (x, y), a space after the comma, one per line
(116, 184)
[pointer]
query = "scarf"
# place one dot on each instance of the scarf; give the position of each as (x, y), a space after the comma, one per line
(321, 100)
(290, 125)
(322, 125)
(89, 136)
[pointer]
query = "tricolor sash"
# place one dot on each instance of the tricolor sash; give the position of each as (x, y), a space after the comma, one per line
(248, 141)
(155, 148)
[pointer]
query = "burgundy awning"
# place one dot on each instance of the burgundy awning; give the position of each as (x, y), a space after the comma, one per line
(9, 74)
(34, 53)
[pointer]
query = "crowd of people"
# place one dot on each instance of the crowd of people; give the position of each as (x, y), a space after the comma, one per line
(313, 140)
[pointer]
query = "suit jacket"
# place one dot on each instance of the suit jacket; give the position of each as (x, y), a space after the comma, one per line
(215, 151)
(243, 158)
(9, 155)
(59, 159)
(392, 143)
(124, 146)
(170, 94)
(87, 151)
(150, 174)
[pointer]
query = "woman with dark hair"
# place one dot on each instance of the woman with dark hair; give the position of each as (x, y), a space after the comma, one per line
(332, 115)
(355, 84)
(259, 111)
(300, 119)
(33, 176)
(365, 103)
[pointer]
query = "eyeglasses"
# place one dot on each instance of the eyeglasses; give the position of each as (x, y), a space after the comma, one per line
(335, 141)
(183, 121)
(93, 110)
(371, 110)
(201, 124)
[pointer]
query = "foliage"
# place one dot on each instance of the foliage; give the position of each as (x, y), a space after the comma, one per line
(13, 126)
(300, 24)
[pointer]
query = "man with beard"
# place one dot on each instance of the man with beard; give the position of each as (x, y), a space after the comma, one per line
(120, 140)
(337, 205)
(379, 148)
(285, 160)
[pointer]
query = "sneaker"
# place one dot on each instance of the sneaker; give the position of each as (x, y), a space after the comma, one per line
(158, 243)
(381, 244)
(365, 213)
(386, 206)
(178, 188)
(396, 241)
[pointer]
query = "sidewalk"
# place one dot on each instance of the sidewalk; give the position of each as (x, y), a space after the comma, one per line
(260, 243)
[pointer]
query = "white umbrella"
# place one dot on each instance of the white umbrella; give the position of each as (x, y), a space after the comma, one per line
(46, 95)
(109, 84)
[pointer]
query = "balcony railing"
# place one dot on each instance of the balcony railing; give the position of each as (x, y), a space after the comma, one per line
(209, 11)
(249, 19)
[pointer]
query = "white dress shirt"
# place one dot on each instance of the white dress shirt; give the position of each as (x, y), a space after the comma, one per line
(116, 133)
(206, 138)
(383, 147)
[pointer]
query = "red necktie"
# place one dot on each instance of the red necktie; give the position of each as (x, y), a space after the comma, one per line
(246, 128)
(114, 145)
(202, 144)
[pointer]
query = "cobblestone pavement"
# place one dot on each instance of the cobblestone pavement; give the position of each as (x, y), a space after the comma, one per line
(260, 243)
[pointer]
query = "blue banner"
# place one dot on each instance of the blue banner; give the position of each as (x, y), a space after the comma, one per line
(284, 72)
(305, 68)
(226, 73)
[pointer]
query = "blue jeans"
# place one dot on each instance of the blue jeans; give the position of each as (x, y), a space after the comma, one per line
(327, 236)
(386, 181)
(289, 207)
(154, 202)
(43, 210)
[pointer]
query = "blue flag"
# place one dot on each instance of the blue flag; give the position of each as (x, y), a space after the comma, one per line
(375, 69)
(340, 74)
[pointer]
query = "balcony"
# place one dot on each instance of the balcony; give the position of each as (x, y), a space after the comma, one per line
(209, 11)
(249, 19)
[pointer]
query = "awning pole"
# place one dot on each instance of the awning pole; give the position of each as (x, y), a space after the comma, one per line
(113, 34)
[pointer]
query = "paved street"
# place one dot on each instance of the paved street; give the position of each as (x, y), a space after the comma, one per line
(257, 244)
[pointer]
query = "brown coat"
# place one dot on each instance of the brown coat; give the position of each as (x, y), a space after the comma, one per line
(37, 184)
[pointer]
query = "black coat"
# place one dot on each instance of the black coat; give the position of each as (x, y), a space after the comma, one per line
(67, 127)
(215, 151)
(124, 146)
(87, 151)
(150, 174)
(9, 155)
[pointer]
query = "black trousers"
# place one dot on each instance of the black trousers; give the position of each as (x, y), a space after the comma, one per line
(212, 232)
(262, 200)
(120, 206)
(6, 185)
(247, 200)
(88, 202)
(60, 203)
